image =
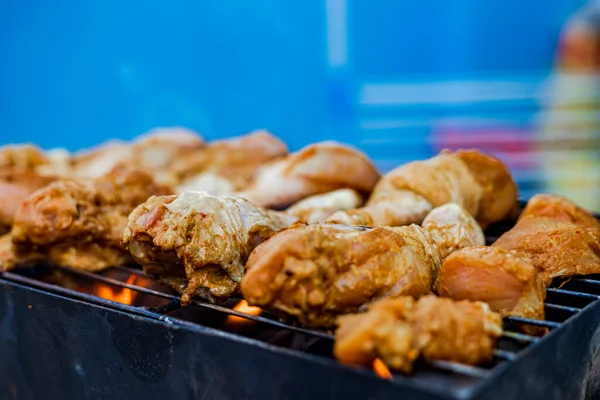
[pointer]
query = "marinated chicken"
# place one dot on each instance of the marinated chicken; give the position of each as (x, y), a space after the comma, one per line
(318, 272)
(319, 207)
(78, 223)
(315, 169)
(561, 238)
(478, 182)
(560, 209)
(100, 160)
(23, 170)
(199, 243)
(155, 151)
(226, 166)
(398, 331)
(161, 148)
(506, 280)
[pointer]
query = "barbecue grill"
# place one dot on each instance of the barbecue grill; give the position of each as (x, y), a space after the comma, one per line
(62, 338)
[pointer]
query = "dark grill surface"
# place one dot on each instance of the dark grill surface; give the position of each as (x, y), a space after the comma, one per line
(56, 335)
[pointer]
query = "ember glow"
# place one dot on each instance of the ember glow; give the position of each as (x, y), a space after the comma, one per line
(243, 307)
(120, 295)
(381, 370)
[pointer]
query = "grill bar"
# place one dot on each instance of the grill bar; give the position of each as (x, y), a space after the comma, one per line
(573, 294)
(587, 280)
(461, 369)
(535, 322)
(552, 306)
(520, 337)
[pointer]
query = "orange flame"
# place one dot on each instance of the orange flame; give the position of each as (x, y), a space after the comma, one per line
(381, 369)
(243, 307)
(124, 296)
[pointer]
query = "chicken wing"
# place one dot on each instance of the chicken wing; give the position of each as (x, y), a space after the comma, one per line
(478, 182)
(318, 272)
(561, 238)
(199, 243)
(319, 207)
(315, 169)
(226, 166)
(78, 223)
(506, 280)
(398, 331)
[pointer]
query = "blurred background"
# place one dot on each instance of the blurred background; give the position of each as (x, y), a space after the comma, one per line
(400, 79)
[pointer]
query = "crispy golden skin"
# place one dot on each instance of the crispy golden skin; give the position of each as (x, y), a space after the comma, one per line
(506, 280)
(318, 272)
(561, 238)
(78, 223)
(479, 183)
(199, 243)
(398, 331)
(315, 169)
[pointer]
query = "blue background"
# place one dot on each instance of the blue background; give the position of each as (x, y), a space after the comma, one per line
(75, 73)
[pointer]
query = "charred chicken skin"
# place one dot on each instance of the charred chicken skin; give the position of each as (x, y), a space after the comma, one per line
(398, 331)
(318, 272)
(199, 243)
(315, 169)
(479, 183)
(78, 223)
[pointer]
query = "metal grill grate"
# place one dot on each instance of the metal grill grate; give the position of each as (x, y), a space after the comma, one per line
(562, 304)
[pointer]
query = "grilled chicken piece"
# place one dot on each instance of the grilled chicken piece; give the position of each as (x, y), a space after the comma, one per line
(315, 169)
(14, 190)
(478, 182)
(199, 243)
(155, 150)
(161, 148)
(506, 280)
(8, 255)
(319, 207)
(398, 331)
(560, 209)
(78, 223)
(23, 170)
(318, 272)
(60, 164)
(561, 238)
(226, 166)
(100, 160)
